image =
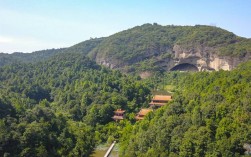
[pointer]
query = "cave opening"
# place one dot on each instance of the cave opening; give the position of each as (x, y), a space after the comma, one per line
(184, 67)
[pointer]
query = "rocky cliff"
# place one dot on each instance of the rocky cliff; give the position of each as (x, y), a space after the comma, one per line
(204, 58)
(154, 47)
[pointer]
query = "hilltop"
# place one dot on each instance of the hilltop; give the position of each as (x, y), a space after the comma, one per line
(152, 47)
(155, 47)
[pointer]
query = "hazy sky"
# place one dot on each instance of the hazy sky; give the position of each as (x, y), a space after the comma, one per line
(29, 25)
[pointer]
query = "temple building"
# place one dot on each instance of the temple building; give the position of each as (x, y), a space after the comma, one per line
(118, 115)
(160, 100)
(142, 113)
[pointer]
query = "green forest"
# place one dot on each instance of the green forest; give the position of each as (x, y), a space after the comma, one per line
(63, 107)
(60, 102)
(209, 116)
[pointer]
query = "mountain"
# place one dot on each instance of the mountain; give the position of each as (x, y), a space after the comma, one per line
(155, 47)
(152, 47)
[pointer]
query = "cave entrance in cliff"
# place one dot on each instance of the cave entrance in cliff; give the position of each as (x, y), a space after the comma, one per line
(184, 67)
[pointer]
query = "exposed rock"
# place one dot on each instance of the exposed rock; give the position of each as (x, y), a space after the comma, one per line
(107, 63)
(203, 58)
(145, 74)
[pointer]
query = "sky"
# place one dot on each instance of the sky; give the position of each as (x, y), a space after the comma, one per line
(31, 25)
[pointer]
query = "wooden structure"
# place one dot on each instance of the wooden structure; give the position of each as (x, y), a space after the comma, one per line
(142, 113)
(160, 100)
(118, 115)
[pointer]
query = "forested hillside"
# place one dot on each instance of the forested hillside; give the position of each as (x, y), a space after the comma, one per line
(7, 59)
(209, 116)
(155, 40)
(59, 102)
(61, 107)
(152, 47)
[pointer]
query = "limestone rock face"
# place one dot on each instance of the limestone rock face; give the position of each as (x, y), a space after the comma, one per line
(105, 62)
(204, 58)
(195, 58)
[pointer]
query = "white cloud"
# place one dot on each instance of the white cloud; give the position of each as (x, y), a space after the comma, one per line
(5, 40)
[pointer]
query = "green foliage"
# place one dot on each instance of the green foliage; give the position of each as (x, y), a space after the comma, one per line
(207, 36)
(7, 59)
(210, 116)
(60, 103)
(240, 49)
(146, 47)
(63, 106)
(84, 47)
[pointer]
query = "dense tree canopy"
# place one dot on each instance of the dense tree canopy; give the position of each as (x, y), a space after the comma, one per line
(7, 59)
(59, 102)
(60, 107)
(209, 116)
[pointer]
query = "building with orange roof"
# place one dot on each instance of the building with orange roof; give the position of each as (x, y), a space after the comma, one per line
(142, 113)
(160, 100)
(118, 115)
